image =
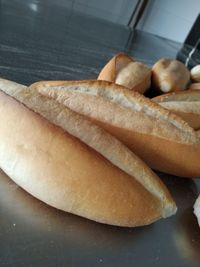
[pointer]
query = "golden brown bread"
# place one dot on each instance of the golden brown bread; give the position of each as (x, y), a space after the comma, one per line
(185, 104)
(123, 70)
(163, 140)
(170, 75)
(79, 169)
(197, 209)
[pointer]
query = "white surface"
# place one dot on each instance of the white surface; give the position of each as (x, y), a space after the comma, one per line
(118, 11)
(171, 19)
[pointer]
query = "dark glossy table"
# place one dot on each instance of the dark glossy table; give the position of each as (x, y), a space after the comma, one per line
(50, 40)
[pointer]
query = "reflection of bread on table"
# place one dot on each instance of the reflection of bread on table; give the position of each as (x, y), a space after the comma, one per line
(186, 237)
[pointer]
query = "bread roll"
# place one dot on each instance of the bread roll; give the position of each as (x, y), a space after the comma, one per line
(197, 209)
(63, 159)
(163, 140)
(123, 70)
(170, 75)
(185, 104)
(195, 74)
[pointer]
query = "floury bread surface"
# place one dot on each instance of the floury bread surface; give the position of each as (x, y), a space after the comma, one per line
(124, 70)
(66, 168)
(163, 140)
(170, 75)
(185, 104)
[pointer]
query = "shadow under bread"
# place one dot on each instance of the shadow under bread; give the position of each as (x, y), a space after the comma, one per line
(184, 190)
(186, 232)
(187, 235)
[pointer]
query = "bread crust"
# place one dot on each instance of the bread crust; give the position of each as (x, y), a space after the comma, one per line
(170, 75)
(123, 70)
(185, 104)
(110, 70)
(65, 172)
(153, 131)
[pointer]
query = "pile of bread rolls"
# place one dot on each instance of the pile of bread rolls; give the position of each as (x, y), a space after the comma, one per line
(89, 147)
(177, 90)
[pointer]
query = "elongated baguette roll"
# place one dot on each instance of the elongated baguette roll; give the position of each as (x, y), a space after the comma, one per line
(197, 209)
(170, 75)
(123, 70)
(185, 104)
(163, 140)
(63, 159)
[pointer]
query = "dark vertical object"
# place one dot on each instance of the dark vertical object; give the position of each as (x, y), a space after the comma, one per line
(137, 13)
(190, 52)
(194, 33)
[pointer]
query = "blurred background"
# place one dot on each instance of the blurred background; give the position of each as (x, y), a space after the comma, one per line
(48, 38)
(169, 19)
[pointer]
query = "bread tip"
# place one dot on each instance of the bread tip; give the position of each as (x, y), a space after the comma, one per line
(169, 209)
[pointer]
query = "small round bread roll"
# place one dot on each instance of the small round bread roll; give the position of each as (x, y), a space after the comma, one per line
(123, 70)
(135, 76)
(170, 75)
(195, 74)
(197, 209)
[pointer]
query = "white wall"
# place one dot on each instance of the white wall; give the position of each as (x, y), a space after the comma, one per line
(117, 11)
(171, 19)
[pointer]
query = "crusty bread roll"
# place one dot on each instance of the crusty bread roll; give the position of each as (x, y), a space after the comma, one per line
(170, 75)
(195, 74)
(123, 70)
(185, 104)
(197, 209)
(163, 140)
(63, 159)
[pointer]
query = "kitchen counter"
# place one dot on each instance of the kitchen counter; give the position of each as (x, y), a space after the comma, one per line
(49, 40)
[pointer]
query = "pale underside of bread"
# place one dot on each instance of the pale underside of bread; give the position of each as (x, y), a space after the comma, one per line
(197, 209)
(137, 174)
(145, 127)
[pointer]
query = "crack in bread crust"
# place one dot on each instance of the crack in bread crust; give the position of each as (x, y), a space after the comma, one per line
(93, 136)
(173, 128)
